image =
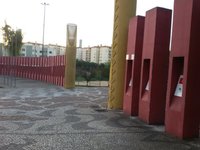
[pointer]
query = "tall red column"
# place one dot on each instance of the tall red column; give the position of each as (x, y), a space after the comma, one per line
(133, 66)
(154, 71)
(183, 98)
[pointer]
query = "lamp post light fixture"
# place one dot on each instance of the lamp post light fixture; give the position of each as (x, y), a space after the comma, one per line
(44, 4)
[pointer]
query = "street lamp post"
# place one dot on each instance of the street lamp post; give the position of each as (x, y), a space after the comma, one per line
(44, 4)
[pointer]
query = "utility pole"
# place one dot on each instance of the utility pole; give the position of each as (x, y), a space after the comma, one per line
(44, 4)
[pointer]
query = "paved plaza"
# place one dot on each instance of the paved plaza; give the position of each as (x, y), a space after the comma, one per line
(40, 116)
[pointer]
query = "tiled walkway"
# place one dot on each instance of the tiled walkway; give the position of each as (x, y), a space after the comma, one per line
(39, 116)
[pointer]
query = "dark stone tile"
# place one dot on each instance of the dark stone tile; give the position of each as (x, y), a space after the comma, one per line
(57, 105)
(46, 128)
(47, 113)
(71, 112)
(70, 119)
(19, 118)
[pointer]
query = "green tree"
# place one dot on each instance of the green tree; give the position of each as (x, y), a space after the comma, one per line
(106, 71)
(91, 71)
(12, 40)
(85, 70)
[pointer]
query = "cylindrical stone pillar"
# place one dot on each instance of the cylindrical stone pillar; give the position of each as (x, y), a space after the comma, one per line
(70, 66)
(124, 10)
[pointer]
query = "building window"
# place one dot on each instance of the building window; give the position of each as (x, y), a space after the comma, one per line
(23, 49)
(50, 52)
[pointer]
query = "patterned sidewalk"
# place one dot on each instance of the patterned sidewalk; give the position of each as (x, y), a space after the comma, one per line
(40, 116)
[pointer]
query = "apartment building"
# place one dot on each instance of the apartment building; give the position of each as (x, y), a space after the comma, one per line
(94, 55)
(79, 53)
(30, 49)
(104, 54)
(86, 54)
(54, 50)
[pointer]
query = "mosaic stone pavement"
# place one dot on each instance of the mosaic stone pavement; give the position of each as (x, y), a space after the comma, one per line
(39, 116)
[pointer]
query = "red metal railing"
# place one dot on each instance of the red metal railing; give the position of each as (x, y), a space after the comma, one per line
(48, 69)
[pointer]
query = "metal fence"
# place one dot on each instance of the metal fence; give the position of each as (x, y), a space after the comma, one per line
(47, 69)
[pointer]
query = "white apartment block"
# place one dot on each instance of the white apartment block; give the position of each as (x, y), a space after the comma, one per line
(86, 52)
(104, 54)
(79, 53)
(94, 55)
(35, 50)
(54, 50)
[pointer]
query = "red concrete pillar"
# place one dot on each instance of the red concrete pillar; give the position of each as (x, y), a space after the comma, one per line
(154, 71)
(183, 99)
(133, 66)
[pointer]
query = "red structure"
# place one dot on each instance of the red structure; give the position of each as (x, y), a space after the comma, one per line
(155, 66)
(133, 66)
(47, 69)
(183, 98)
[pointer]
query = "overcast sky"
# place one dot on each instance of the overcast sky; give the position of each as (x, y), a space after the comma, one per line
(94, 18)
